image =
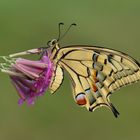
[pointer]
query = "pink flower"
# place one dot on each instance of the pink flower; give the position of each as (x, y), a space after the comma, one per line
(31, 78)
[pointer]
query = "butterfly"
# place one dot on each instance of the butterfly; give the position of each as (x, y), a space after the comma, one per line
(95, 72)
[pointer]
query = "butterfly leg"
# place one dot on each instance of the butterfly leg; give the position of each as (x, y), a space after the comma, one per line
(28, 52)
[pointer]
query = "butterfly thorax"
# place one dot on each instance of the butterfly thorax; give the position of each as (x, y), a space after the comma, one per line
(53, 47)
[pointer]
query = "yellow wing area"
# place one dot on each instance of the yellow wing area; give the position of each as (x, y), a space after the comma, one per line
(96, 73)
(57, 79)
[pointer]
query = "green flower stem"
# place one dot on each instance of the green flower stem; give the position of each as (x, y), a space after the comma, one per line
(4, 65)
(8, 59)
(12, 73)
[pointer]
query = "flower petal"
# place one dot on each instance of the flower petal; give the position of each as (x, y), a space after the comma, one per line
(30, 63)
(26, 71)
(36, 78)
(20, 89)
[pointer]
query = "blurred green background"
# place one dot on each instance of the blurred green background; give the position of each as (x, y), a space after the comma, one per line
(27, 24)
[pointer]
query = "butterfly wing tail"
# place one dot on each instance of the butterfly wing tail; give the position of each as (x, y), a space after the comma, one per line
(114, 110)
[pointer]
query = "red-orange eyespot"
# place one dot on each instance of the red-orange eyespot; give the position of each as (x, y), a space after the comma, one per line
(81, 100)
(94, 88)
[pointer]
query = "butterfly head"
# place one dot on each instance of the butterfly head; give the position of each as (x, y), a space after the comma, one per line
(53, 44)
(52, 47)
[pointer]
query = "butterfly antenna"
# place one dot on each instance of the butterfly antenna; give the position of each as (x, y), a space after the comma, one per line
(59, 30)
(73, 24)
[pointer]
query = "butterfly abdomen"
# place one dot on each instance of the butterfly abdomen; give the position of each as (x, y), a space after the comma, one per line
(57, 79)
